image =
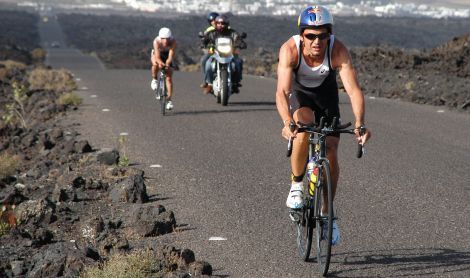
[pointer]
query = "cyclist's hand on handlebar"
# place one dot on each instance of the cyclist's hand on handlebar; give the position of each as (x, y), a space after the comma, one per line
(363, 134)
(289, 130)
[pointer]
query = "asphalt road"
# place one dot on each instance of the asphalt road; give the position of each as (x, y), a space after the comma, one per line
(403, 208)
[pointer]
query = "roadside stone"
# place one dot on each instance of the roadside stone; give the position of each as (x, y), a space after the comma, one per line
(42, 236)
(36, 211)
(92, 253)
(61, 259)
(152, 221)
(112, 243)
(63, 194)
(91, 228)
(17, 267)
(83, 147)
(134, 191)
(12, 196)
(69, 147)
(200, 268)
(78, 182)
(108, 157)
(187, 256)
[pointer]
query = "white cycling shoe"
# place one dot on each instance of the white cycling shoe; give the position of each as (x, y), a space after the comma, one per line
(295, 199)
(169, 105)
(153, 84)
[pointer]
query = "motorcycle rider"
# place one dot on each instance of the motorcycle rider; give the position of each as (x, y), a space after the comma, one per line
(162, 56)
(223, 29)
(208, 52)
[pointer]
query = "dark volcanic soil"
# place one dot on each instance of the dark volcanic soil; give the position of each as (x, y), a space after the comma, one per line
(65, 205)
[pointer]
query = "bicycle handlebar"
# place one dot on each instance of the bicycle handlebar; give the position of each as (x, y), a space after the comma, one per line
(324, 130)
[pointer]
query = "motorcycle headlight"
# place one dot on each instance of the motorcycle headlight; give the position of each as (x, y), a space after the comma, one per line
(224, 49)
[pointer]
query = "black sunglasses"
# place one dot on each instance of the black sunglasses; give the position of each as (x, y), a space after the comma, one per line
(321, 36)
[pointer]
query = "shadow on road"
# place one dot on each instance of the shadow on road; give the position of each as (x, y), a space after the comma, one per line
(402, 262)
(227, 110)
(251, 103)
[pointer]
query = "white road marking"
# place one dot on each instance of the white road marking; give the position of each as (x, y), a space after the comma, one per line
(217, 238)
(440, 111)
(123, 133)
(84, 88)
(78, 79)
(93, 96)
(106, 110)
(371, 97)
(155, 166)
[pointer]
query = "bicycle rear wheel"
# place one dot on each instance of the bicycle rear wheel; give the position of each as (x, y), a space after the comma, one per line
(324, 224)
(305, 230)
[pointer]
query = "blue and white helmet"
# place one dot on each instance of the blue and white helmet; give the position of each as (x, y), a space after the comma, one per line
(315, 16)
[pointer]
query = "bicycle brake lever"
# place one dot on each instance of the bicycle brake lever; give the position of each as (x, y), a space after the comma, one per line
(360, 148)
(289, 147)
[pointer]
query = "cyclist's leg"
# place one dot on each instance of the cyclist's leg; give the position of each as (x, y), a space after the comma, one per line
(155, 67)
(301, 110)
(154, 70)
(300, 144)
(169, 82)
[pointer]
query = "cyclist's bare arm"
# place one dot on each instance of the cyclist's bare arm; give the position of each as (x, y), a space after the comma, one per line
(343, 63)
(156, 52)
(171, 53)
(287, 61)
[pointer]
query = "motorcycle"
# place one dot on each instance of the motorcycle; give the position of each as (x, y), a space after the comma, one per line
(223, 66)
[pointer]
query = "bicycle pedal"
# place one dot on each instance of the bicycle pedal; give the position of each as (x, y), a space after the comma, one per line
(294, 215)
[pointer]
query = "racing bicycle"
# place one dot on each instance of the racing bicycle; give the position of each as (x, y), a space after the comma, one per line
(319, 182)
(161, 92)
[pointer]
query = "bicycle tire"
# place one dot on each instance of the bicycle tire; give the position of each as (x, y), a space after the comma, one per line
(162, 87)
(324, 233)
(305, 231)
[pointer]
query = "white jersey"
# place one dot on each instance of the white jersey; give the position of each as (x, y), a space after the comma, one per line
(312, 77)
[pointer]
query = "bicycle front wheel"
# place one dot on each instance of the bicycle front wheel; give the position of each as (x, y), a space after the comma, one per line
(305, 231)
(162, 96)
(324, 224)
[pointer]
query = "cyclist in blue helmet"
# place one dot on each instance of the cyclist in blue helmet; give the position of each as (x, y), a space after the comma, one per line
(307, 90)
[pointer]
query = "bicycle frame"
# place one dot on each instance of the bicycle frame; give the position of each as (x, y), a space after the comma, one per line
(161, 89)
(310, 216)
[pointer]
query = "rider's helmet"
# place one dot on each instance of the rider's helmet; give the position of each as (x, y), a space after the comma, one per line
(315, 16)
(212, 16)
(221, 22)
(164, 33)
